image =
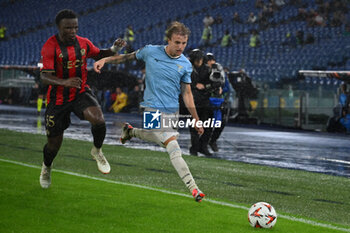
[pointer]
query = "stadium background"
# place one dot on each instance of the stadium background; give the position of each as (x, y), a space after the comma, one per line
(272, 66)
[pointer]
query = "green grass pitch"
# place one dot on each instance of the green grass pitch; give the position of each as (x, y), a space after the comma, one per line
(144, 194)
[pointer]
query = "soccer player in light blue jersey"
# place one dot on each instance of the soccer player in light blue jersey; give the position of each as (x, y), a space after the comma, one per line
(168, 74)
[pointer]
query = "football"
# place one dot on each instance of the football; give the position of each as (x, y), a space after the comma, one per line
(262, 215)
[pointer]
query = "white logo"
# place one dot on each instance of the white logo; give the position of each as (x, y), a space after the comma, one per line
(209, 123)
(152, 120)
(155, 120)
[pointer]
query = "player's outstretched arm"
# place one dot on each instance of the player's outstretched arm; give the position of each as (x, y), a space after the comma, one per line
(116, 59)
(188, 100)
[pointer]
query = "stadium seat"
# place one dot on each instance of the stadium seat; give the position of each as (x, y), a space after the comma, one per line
(102, 21)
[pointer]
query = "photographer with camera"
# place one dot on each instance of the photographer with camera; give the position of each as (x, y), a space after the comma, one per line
(201, 86)
(245, 91)
(218, 100)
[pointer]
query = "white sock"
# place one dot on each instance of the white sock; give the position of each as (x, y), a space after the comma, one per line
(180, 165)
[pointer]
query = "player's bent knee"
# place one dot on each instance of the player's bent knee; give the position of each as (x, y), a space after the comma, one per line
(98, 121)
(94, 115)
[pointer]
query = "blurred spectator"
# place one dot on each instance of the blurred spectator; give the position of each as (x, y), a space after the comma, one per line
(263, 21)
(133, 100)
(299, 35)
(120, 100)
(165, 38)
(344, 103)
(338, 19)
(297, 39)
(251, 18)
(340, 122)
(310, 39)
(254, 40)
(107, 100)
(206, 36)
(279, 3)
(218, 19)
(259, 4)
(345, 121)
(343, 95)
(227, 39)
(289, 40)
(302, 14)
(316, 19)
(297, 3)
(320, 20)
(339, 5)
(208, 20)
(230, 2)
(324, 9)
(236, 18)
(3, 30)
(347, 30)
(268, 10)
(129, 37)
(41, 90)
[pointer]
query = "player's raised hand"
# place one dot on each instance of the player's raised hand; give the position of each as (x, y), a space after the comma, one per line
(72, 82)
(118, 45)
(98, 65)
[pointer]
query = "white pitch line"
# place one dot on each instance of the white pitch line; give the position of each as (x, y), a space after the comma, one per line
(294, 219)
(337, 161)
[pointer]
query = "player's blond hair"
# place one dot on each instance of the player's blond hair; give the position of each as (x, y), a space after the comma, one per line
(177, 28)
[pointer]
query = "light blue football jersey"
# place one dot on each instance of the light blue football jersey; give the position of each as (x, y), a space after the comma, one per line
(164, 75)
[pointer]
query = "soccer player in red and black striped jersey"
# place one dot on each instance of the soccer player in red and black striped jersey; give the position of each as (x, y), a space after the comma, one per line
(65, 71)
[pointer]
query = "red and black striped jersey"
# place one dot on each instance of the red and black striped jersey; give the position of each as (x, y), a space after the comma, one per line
(67, 61)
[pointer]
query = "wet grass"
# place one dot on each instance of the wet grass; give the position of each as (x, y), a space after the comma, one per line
(303, 194)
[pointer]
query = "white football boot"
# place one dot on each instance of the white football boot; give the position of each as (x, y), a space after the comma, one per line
(45, 176)
(102, 163)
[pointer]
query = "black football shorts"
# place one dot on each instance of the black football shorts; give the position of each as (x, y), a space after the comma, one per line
(57, 117)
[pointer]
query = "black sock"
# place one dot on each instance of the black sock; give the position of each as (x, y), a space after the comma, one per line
(98, 133)
(49, 156)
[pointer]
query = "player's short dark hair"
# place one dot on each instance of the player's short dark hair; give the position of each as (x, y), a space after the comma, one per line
(177, 28)
(65, 14)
